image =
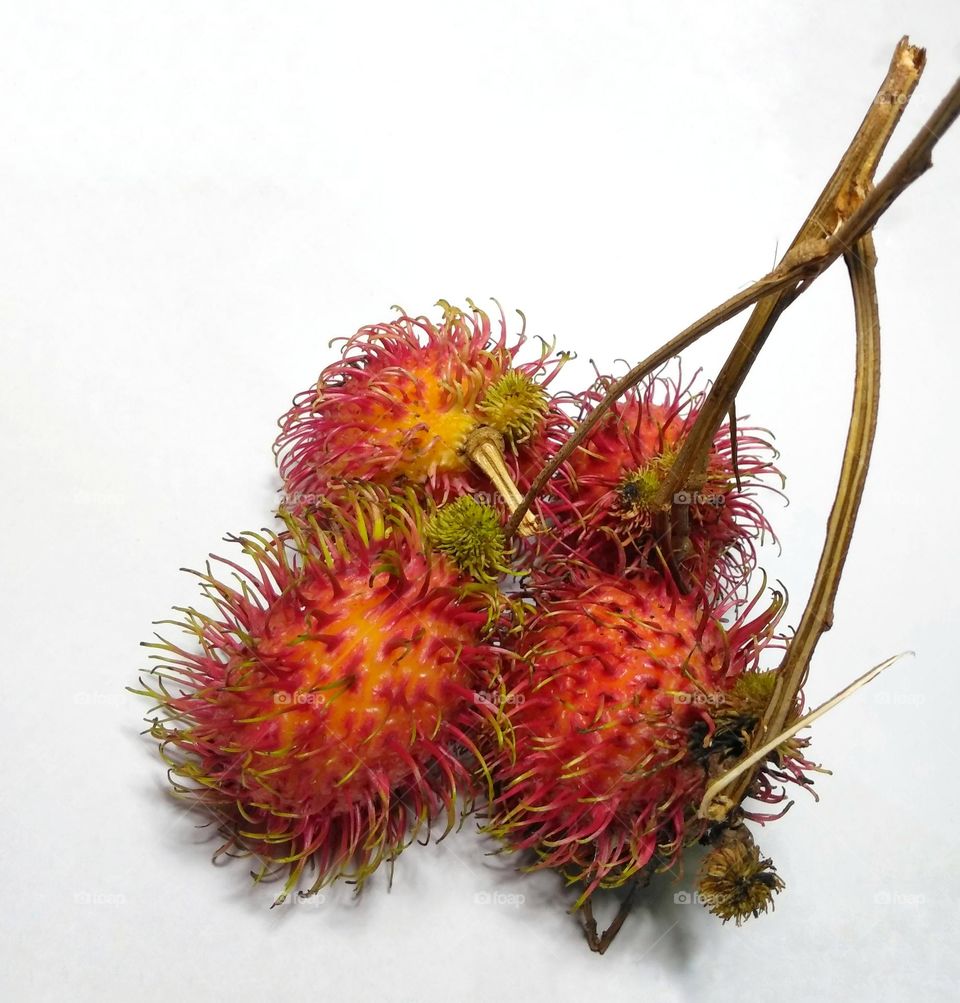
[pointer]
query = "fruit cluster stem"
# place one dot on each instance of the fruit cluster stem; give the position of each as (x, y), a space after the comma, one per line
(817, 617)
(842, 196)
(599, 942)
(835, 234)
(485, 448)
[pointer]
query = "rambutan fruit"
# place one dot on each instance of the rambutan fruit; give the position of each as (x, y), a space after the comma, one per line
(440, 405)
(610, 703)
(604, 506)
(323, 712)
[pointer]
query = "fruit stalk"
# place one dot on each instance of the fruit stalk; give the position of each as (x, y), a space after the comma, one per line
(817, 617)
(484, 446)
(843, 194)
(793, 276)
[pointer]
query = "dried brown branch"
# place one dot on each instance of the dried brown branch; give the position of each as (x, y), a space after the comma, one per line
(818, 615)
(715, 806)
(840, 224)
(799, 267)
(772, 283)
(842, 196)
(599, 942)
(860, 259)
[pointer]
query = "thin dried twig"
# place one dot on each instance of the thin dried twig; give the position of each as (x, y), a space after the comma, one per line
(599, 942)
(757, 755)
(818, 615)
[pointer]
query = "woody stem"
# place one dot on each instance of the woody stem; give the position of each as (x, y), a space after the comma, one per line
(843, 194)
(485, 448)
(799, 268)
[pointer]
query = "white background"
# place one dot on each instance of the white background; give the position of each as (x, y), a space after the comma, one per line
(195, 197)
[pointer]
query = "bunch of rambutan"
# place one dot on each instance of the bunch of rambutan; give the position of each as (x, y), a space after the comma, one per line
(388, 656)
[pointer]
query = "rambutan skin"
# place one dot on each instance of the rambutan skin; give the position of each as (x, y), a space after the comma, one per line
(611, 691)
(326, 717)
(405, 396)
(602, 504)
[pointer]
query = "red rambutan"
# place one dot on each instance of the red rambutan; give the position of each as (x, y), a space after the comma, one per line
(612, 703)
(604, 506)
(406, 401)
(325, 719)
